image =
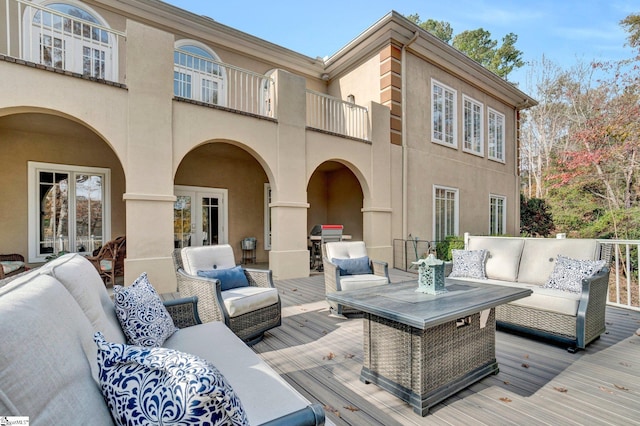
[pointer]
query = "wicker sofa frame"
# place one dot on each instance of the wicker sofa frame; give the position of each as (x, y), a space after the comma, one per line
(250, 327)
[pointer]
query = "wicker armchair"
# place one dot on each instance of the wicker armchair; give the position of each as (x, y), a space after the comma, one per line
(12, 265)
(233, 306)
(335, 279)
(110, 260)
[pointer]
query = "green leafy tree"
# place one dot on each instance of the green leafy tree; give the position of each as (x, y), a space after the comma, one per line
(477, 45)
(631, 24)
(535, 217)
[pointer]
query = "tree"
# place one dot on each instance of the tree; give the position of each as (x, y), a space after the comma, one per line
(440, 29)
(477, 45)
(535, 217)
(631, 24)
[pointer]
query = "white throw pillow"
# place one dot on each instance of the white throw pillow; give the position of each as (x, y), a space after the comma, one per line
(469, 264)
(568, 273)
(144, 319)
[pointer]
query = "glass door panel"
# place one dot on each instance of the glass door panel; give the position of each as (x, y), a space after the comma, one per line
(182, 224)
(89, 222)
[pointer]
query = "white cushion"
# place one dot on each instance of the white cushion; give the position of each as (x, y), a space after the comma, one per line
(539, 255)
(241, 300)
(544, 299)
(9, 266)
(469, 263)
(47, 354)
(82, 280)
(264, 394)
(504, 255)
(345, 249)
(352, 282)
(203, 258)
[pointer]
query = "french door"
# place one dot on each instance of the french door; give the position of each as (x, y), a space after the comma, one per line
(199, 216)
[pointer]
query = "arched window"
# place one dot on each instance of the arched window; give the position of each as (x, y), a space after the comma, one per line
(197, 74)
(66, 36)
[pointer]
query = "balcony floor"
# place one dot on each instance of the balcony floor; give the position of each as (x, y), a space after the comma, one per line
(538, 383)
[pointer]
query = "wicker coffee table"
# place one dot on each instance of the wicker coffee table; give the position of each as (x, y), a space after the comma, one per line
(424, 348)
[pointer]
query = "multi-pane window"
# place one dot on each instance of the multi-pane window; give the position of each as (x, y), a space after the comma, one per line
(71, 38)
(472, 125)
(443, 112)
(197, 75)
(445, 217)
(68, 209)
(497, 215)
(496, 135)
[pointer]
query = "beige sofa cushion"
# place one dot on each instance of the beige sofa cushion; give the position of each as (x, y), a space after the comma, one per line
(345, 250)
(82, 280)
(352, 282)
(203, 258)
(45, 371)
(539, 256)
(264, 394)
(504, 256)
(241, 300)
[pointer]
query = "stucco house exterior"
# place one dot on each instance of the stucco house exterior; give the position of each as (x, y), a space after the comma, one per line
(136, 117)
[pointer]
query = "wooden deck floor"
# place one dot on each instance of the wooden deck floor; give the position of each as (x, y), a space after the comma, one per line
(538, 383)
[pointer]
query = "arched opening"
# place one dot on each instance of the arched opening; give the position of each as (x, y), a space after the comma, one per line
(62, 187)
(335, 196)
(222, 197)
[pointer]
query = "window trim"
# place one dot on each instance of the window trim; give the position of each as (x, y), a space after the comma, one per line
(491, 112)
(267, 216)
(472, 150)
(456, 209)
(75, 54)
(197, 86)
(454, 136)
(504, 213)
(33, 203)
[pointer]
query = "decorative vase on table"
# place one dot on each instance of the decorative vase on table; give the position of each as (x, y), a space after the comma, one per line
(430, 275)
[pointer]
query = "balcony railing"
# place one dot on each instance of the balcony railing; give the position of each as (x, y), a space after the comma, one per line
(215, 83)
(337, 116)
(61, 41)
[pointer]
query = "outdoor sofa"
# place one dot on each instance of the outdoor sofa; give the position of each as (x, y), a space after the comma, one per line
(572, 316)
(49, 368)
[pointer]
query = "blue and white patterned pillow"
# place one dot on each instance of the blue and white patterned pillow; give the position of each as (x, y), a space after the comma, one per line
(469, 264)
(568, 273)
(163, 386)
(142, 315)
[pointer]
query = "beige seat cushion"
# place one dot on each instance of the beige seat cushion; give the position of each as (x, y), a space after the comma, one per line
(539, 256)
(241, 300)
(503, 258)
(264, 394)
(352, 282)
(203, 258)
(345, 250)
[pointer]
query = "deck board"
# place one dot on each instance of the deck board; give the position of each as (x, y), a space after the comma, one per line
(321, 356)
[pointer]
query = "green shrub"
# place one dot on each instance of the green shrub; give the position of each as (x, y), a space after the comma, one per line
(443, 248)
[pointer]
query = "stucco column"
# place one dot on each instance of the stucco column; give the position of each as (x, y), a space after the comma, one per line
(376, 212)
(289, 257)
(149, 181)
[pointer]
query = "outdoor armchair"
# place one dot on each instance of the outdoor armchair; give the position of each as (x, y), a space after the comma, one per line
(347, 266)
(244, 299)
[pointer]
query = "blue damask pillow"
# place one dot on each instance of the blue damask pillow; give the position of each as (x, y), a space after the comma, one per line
(142, 315)
(353, 266)
(229, 278)
(152, 386)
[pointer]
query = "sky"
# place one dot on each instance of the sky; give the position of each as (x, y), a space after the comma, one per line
(564, 31)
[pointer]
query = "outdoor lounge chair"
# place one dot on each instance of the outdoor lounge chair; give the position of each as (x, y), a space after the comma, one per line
(11, 264)
(109, 261)
(244, 299)
(347, 266)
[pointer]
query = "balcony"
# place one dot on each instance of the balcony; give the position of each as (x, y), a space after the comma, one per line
(68, 40)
